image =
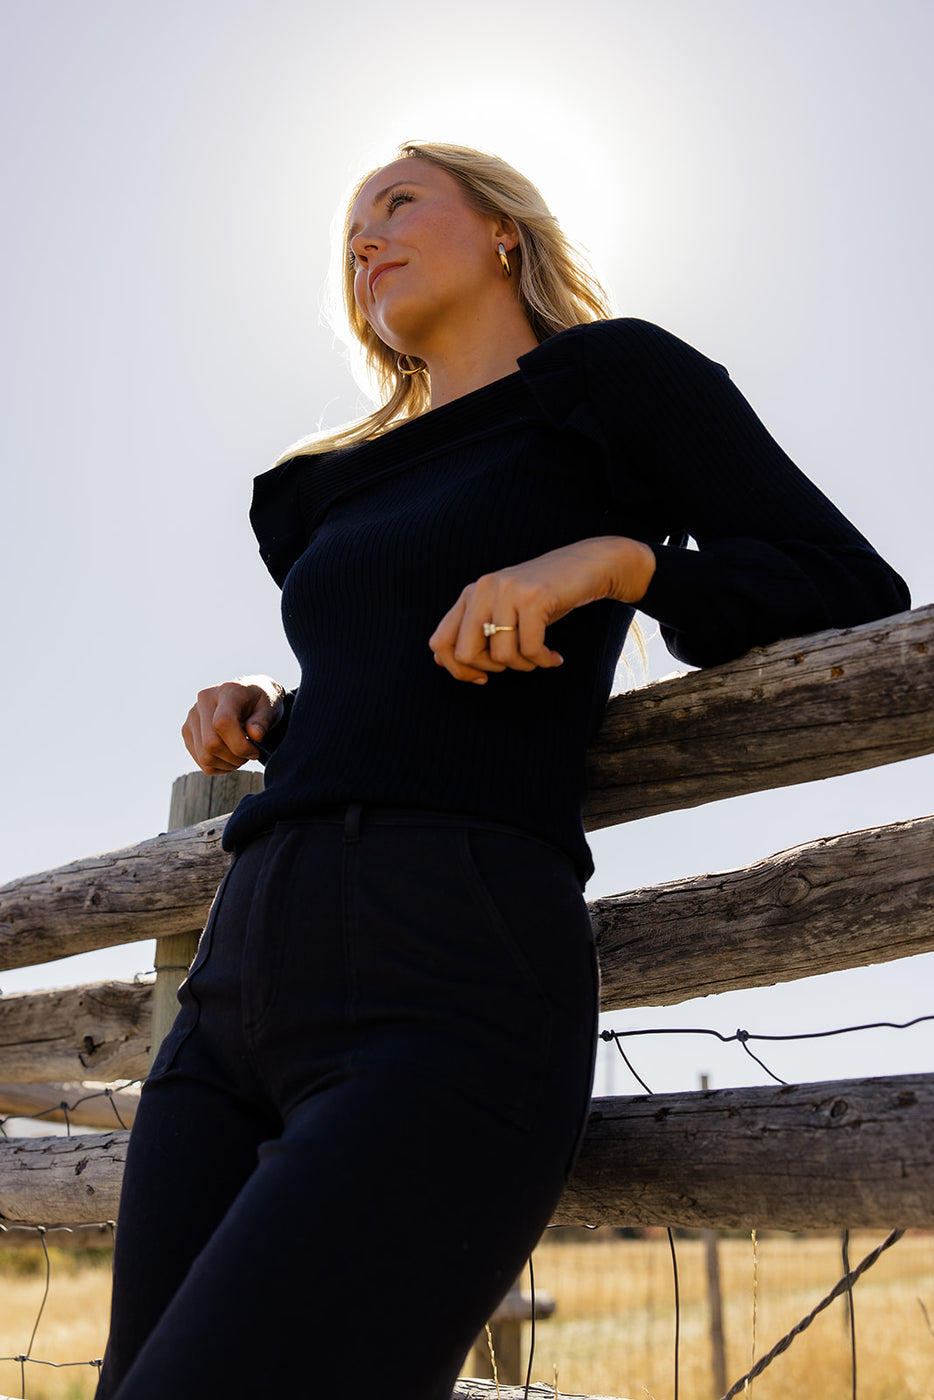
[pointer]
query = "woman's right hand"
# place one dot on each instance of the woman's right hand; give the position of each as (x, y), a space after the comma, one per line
(227, 722)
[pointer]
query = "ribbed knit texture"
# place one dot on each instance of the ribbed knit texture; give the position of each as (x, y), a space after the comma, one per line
(612, 428)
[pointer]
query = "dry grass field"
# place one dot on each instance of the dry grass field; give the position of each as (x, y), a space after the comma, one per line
(613, 1330)
(73, 1326)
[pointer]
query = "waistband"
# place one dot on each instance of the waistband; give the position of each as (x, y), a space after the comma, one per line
(355, 817)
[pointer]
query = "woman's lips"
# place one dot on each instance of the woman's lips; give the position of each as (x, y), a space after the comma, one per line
(377, 273)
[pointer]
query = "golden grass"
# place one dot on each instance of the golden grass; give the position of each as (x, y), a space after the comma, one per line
(73, 1325)
(613, 1331)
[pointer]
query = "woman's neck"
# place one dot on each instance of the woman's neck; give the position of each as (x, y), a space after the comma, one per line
(478, 357)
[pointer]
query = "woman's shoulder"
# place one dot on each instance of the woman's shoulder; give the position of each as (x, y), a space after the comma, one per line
(589, 373)
(623, 338)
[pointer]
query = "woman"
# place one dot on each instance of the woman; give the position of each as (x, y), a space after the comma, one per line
(367, 1108)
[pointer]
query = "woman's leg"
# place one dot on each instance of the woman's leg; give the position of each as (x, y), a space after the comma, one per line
(193, 1145)
(431, 1062)
(191, 1151)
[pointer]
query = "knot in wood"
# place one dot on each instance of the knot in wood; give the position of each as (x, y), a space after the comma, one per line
(793, 889)
(838, 1108)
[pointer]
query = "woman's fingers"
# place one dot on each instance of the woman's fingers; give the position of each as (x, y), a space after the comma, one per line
(449, 649)
(465, 646)
(227, 721)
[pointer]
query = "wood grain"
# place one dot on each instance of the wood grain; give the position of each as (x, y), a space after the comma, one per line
(849, 1153)
(812, 707)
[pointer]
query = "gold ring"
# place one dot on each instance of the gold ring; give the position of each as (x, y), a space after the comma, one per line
(490, 629)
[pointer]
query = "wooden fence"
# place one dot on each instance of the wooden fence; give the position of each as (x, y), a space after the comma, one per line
(856, 1153)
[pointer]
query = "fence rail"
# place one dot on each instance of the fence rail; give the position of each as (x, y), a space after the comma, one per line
(848, 1153)
(814, 707)
(775, 921)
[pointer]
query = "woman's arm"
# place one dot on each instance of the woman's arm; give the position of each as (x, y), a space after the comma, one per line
(527, 598)
(231, 723)
(775, 557)
(684, 450)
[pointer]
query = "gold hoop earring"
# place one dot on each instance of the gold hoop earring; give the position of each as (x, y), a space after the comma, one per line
(406, 367)
(507, 270)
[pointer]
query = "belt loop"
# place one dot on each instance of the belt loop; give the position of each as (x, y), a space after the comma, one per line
(353, 818)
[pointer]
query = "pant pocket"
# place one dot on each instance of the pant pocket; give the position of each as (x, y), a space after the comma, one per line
(189, 1007)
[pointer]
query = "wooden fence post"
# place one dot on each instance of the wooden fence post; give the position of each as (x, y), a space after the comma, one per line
(195, 798)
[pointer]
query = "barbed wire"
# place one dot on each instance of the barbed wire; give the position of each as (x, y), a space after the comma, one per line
(742, 1037)
(66, 1108)
(842, 1285)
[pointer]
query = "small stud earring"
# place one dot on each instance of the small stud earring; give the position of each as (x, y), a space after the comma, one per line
(507, 270)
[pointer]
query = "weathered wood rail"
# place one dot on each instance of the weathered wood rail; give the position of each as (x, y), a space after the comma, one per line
(815, 707)
(774, 921)
(856, 1153)
(798, 710)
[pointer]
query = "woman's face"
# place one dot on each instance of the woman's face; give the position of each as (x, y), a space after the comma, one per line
(425, 262)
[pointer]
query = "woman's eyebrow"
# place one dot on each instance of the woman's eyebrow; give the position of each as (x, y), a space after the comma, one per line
(377, 199)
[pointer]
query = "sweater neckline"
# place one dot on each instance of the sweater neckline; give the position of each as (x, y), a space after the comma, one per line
(480, 411)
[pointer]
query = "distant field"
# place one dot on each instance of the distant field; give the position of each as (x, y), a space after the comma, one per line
(613, 1330)
(73, 1325)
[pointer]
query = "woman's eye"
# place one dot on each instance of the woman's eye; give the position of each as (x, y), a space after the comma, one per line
(397, 197)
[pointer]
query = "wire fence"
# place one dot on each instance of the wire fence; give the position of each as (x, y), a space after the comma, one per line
(104, 1231)
(844, 1286)
(67, 1109)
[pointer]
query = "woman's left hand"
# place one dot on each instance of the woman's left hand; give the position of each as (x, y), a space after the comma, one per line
(525, 598)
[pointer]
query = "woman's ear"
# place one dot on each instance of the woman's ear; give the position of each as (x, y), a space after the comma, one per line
(506, 233)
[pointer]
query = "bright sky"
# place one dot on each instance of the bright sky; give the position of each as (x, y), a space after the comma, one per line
(753, 177)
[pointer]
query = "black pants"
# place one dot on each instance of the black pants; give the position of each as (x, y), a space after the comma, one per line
(362, 1118)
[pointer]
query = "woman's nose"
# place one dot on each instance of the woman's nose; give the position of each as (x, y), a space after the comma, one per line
(364, 243)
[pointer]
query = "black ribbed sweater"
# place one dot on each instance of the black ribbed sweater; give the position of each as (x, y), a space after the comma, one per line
(611, 428)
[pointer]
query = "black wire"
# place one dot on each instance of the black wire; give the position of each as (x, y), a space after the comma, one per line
(762, 1064)
(113, 1105)
(48, 1277)
(743, 1036)
(628, 1064)
(674, 1265)
(528, 1373)
(839, 1288)
(850, 1314)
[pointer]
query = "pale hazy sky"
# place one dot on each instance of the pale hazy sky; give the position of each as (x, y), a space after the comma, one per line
(755, 177)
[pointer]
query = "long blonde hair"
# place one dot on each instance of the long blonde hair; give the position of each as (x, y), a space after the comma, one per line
(555, 287)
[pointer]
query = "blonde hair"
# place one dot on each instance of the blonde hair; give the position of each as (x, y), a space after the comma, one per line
(555, 287)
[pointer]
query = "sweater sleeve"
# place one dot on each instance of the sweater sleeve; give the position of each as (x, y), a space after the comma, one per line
(277, 732)
(774, 558)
